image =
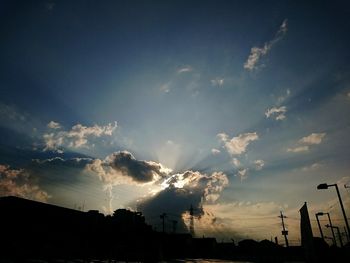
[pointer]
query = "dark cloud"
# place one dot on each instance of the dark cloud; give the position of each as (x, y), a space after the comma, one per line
(183, 191)
(174, 202)
(123, 164)
(57, 171)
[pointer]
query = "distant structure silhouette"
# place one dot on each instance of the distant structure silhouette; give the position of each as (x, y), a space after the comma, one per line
(192, 221)
(38, 232)
(284, 231)
(174, 222)
(163, 217)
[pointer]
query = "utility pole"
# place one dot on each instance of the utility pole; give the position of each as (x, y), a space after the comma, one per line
(347, 234)
(339, 236)
(174, 225)
(163, 216)
(284, 231)
(330, 224)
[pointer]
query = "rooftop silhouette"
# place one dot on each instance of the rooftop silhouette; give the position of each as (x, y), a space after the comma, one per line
(32, 229)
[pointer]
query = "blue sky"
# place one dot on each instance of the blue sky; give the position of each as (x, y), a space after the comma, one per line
(108, 104)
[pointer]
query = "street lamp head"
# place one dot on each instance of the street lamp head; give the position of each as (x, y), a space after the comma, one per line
(322, 186)
(320, 214)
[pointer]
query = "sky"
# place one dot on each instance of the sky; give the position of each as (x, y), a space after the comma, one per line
(237, 108)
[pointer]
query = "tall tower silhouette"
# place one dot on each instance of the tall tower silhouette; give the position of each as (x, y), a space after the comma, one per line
(191, 221)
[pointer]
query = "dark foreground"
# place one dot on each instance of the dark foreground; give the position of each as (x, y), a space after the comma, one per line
(38, 232)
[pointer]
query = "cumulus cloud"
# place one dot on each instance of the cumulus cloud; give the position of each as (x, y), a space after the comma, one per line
(238, 145)
(215, 151)
(122, 168)
(259, 164)
(182, 190)
(307, 141)
(209, 186)
(140, 171)
(278, 113)
(256, 53)
(20, 183)
(53, 125)
(222, 136)
(77, 137)
(313, 138)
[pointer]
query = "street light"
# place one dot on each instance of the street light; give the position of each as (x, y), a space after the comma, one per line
(339, 235)
(318, 222)
(330, 224)
(325, 186)
(322, 186)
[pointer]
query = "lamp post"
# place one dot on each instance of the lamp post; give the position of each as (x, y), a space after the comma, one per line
(325, 186)
(319, 225)
(330, 225)
(340, 239)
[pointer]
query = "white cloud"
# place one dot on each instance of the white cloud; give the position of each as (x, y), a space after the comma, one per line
(236, 162)
(184, 69)
(259, 164)
(313, 138)
(257, 52)
(217, 82)
(210, 186)
(215, 151)
(237, 145)
(277, 113)
(20, 183)
(222, 136)
(180, 191)
(298, 149)
(306, 142)
(53, 125)
(348, 94)
(76, 137)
